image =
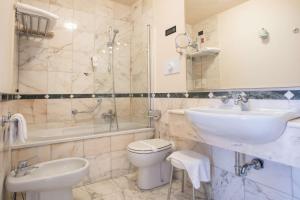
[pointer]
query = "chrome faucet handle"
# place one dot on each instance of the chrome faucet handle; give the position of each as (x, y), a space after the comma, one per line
(25, 163)
(22, 164)
(241, 98)
(23, 167)
(225, 98)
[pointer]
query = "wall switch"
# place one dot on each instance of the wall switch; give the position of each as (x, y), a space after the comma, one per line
(172, 66)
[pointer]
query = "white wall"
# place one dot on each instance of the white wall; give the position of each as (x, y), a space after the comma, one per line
(7, 71)
(247, 62)
(168, 13)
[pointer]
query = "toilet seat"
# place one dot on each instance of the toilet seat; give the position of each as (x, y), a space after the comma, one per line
(149, 146)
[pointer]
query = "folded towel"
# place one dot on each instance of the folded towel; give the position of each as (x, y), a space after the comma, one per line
(28, 9)
(18, 133)
(196, 165)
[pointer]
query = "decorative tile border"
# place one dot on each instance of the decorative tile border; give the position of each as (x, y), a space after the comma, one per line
(271, 94)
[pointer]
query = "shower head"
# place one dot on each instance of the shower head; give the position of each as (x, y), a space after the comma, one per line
(116, 31)
(112, 41)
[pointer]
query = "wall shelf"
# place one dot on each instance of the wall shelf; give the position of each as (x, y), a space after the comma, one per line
(207, 51)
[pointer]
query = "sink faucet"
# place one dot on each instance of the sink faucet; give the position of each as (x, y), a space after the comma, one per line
(243, 101)
(23, 168)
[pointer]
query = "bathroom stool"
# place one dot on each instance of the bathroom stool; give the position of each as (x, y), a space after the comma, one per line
(178, 163)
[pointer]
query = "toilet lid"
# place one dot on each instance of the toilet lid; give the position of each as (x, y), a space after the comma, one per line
(149, 146)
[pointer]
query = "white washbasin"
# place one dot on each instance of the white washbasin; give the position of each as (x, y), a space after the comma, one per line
(253, 127)
(50, 179)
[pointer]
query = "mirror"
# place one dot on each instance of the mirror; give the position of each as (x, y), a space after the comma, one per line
(243, 44)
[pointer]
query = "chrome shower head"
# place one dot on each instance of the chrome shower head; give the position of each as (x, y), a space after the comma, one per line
(112, 41)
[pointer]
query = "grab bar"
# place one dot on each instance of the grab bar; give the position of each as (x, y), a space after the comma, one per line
(75, 111)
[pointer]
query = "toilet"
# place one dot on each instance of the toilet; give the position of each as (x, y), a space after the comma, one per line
(149, 156)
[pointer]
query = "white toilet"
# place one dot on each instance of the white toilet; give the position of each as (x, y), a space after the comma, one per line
(149, 156)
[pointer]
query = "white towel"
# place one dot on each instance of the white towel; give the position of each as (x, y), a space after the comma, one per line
(196, 165)
(18, 134)
(28, 9)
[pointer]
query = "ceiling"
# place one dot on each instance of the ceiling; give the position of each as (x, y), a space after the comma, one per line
(197, 10)
(126, 2)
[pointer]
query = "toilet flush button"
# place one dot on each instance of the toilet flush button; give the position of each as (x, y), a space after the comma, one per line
(172, 67)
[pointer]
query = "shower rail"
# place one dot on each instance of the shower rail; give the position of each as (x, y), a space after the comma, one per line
(149, 68)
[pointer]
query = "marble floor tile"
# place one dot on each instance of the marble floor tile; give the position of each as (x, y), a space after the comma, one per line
(125, 188)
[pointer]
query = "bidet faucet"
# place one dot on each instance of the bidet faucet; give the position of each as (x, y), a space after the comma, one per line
(243, 101)
(23, 168)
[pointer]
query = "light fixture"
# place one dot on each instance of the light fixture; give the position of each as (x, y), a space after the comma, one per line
(70, 26)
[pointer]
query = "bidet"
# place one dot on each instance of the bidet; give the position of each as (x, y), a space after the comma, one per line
(49, 180)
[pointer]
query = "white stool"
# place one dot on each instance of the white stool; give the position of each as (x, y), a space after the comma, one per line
(178, 163)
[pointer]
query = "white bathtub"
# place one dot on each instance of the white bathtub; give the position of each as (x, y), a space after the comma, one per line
(45, 134)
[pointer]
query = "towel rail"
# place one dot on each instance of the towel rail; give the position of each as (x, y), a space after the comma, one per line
(6, 119)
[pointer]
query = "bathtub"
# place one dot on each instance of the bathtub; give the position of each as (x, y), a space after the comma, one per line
(45, 134)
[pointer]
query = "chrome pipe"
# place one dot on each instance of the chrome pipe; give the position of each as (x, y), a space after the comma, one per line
(149, 68)
(237, 165)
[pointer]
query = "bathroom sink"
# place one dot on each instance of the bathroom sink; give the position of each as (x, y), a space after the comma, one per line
(253, 127)
(49, 180)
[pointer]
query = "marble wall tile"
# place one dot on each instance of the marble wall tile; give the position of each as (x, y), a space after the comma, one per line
(120, 142)
(94, 147)
(121, 11)
(69, 149)
(44, 4)
(103, 83)
(296, 182)
(120, 165)
(62, 3)
(223, 159)
(100, 167)
(58, 110)
(83, 41)
(269, 176)
(82, 62)
(123, 109)
(85, 21)
(60, 60)
(59, 83)
(82, 83)
(34, 155)
(143, 136)
(84, 105)
(256, 191)
(62, 39)
(140, 109)
(104, 8)
(62, 8)
(33, 57)
(86, 6)
(34, 111)
(226, 186)
(33, 82)
(106, 105)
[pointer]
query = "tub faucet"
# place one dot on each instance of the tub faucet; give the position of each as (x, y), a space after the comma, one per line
(109, 116)
(243, 101)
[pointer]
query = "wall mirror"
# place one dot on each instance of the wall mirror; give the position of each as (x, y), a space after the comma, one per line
(243, 44)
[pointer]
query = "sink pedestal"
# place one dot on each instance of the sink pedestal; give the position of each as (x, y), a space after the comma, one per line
(62, 194)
